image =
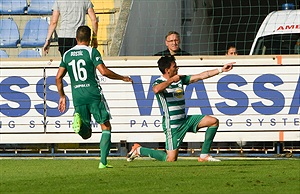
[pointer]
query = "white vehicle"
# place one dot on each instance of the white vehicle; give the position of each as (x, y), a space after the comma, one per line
(278, 34)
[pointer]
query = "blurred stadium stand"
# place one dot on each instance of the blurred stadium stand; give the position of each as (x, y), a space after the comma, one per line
(9, 33)
(13, 6)
(35, 33)
(107, 12)
(3, 54)
(29, 54)
(40, 7)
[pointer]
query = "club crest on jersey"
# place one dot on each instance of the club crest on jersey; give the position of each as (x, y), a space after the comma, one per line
(178, 93)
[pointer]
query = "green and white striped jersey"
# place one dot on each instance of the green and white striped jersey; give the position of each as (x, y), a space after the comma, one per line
(172, 101)
(81, 62)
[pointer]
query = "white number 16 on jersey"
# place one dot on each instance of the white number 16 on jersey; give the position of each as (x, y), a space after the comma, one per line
(78, 71)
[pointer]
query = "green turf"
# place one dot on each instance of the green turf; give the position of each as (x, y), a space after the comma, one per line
(149, 176)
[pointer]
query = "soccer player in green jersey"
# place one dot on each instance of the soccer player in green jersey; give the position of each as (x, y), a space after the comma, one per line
(169, 92)
(81, 63)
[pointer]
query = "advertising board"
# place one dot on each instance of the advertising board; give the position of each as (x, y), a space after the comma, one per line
(257, 101)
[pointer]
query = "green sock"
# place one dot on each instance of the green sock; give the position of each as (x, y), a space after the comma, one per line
(105, 143)
(156, 154)
(209, 137)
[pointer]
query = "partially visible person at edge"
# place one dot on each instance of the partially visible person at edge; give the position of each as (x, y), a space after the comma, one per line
(169, 92)
(81, 63)
(231, 50)
(172, 41)
(72, 14)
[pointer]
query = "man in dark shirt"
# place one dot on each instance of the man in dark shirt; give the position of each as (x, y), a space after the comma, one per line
(172, 42)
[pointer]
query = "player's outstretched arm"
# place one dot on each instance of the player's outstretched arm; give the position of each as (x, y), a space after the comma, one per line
(210, 73)
(112, 75)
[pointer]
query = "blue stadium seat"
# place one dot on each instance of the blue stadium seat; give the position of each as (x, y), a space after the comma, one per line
(9, 33)
(29, 54)
(3, 54)
(35, 33)
(41, 7)
(13, 6)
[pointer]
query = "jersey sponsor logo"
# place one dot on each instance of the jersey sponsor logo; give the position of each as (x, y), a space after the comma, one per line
(178, 93)
(76, 53)
(82, 86)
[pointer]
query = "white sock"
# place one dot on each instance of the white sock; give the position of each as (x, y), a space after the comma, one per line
(203, 155)
(138, 150)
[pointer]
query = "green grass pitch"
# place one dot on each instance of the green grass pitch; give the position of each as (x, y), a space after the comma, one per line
(73, 175)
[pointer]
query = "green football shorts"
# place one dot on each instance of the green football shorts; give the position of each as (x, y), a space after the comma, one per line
(175, 137)
(100, 112)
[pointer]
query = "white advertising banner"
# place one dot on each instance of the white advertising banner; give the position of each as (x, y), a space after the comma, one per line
(257, 101)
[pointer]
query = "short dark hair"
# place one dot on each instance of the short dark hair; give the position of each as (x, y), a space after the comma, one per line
(229, 46)
(172, 32)
(165, 62)
(83, 34)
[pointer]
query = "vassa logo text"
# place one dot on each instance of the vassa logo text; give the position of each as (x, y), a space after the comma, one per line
(10, 93)
(224, 89)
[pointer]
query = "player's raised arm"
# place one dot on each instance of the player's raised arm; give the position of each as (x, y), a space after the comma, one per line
(210, 73)
(112, 75)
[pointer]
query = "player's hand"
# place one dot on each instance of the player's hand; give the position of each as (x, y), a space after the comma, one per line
(62, 104)
(127, 79)
(175, 78)
(227, 67)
